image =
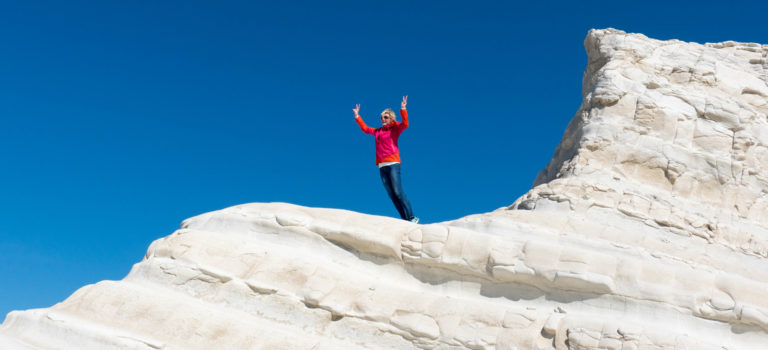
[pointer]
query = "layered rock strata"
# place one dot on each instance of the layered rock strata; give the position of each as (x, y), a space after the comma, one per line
(645, 231)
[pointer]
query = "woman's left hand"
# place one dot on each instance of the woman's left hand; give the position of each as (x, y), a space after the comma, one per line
(405, 101)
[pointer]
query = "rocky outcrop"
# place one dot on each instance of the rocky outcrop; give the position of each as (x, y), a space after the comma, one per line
(644, 232)
(669, 133)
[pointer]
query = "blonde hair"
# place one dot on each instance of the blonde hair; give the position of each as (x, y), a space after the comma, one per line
(390, 112)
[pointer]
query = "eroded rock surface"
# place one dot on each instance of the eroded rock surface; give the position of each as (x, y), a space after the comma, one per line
(645, 231)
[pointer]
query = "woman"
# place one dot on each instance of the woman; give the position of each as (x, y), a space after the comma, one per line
(388, 155)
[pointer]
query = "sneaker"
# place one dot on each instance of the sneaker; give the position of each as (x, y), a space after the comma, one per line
(415, 220)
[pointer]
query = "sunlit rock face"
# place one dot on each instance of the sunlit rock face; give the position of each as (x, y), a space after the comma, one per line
(647, 230)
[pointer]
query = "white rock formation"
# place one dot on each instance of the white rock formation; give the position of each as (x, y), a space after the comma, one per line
(648, 230)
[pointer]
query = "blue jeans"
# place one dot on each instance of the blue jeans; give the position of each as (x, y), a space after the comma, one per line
(390, 176)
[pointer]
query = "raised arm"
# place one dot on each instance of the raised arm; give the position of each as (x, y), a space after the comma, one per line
(365, 128)
(404, 113)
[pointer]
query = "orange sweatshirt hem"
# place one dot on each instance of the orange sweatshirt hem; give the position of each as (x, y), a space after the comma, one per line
(393, 158)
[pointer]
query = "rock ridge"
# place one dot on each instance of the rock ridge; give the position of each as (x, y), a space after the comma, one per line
(643, 232)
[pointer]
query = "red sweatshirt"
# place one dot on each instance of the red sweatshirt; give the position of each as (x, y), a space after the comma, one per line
(386, 138)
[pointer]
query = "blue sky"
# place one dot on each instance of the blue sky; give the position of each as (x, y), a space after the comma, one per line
(119, 119)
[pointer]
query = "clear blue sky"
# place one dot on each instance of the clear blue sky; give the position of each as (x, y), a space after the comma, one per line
(119, 119)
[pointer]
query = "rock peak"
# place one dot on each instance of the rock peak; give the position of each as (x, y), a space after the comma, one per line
(676, 131)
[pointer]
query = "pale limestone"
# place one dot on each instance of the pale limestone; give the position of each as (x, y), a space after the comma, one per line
(647, 230)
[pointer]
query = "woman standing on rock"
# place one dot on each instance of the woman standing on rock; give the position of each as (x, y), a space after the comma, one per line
(388, 155)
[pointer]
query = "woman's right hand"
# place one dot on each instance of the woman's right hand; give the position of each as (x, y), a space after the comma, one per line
(356, 110)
